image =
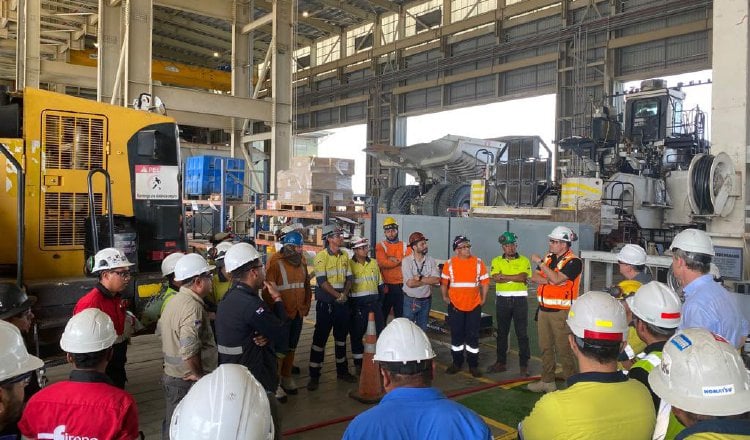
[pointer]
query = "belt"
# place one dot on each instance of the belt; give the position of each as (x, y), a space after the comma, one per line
(547, 309)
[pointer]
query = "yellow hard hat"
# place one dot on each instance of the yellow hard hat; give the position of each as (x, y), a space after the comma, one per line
(625, 288)
(390, 223)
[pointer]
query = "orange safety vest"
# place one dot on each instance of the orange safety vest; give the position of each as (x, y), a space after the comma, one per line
(293, 284)
(561, 296)
(464, 276)
(391, 272)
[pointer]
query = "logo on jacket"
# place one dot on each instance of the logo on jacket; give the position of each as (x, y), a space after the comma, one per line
(60, 434)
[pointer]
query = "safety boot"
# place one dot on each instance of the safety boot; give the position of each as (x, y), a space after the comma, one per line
(542, 387)
(475, 371)
(525, 371)
(289, 385)
(347, 377)
(313, 384)
(497, 367)
(281, 394)
(452, 369)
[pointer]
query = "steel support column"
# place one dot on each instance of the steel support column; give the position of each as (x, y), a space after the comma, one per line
(27, 44)
(109, 36)
(281, 80)
(138, 65)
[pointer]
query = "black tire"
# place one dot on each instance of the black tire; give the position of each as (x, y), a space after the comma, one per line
(402, 198)
(430, 201)
(384, 201)
(454, 196)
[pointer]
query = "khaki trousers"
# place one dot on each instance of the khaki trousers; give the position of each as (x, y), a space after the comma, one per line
(553, 340)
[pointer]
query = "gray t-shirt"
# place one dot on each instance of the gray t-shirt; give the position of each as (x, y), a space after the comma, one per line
(410, 268)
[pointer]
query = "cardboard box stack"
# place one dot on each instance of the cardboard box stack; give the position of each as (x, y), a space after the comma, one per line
(311, 178)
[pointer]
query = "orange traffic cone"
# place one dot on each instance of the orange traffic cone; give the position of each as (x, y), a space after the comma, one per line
(370, 383)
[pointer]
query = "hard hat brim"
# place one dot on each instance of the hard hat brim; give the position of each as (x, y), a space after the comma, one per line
(724, 405)
(30, 301)
(31, 363)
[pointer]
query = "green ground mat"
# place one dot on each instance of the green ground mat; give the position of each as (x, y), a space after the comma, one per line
(507, 406)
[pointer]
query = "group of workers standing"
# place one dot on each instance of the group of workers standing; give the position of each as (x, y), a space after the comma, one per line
(674, 361)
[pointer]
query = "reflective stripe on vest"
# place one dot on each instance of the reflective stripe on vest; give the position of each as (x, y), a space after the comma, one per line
(286, 285)
(649, 361)
(511, 293)
(474, 284)
(562, 296)
(385, 248)
(361, 294)
(229, 350)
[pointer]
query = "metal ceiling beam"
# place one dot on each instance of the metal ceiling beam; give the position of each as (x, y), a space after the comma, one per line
(257, 23)
(216, 8)
(310, 21)
(385, 4)
(350, 9)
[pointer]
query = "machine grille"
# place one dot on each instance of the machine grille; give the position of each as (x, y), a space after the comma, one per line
(73, 141)
(65, 218)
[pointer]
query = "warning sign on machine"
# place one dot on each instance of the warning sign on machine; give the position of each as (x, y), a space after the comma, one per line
(156, 182)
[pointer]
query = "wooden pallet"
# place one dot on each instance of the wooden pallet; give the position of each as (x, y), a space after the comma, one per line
(267, 235)
(313, 207)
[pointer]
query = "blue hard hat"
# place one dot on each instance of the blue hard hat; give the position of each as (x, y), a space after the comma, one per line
(294, 238)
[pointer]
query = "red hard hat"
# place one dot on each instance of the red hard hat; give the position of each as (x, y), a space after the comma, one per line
(416, 237)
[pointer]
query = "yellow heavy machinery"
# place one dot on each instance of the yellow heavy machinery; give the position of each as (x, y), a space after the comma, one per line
(91, 175)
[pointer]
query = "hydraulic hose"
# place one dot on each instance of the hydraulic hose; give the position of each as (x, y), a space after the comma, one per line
(702, 184)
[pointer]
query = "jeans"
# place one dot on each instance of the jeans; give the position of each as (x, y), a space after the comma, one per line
(417, 310)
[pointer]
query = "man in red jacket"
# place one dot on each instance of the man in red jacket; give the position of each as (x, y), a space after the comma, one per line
(113, 269)
(87, 405)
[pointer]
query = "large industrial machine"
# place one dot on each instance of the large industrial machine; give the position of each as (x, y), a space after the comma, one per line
(78, 176)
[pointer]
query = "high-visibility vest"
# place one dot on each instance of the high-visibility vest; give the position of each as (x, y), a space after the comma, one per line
(561, 296)
(385, 249)
(366, 280)
(464, 277)
(291, 282)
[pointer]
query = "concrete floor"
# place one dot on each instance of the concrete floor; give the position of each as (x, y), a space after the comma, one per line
(305, 410)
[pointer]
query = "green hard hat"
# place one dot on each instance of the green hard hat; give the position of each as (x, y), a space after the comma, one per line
(508, 238)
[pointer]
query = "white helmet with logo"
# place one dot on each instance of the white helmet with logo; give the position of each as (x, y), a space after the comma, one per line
(403, 341)
(563, 233)
(88, 331)
(169, 262)
(15, 360)
(227, 404)
(632, 254)
(108, 259)
(191, 265)
(359, 242)
(693, 240)
(239, 255)
(656, 304)
(597, 315)
(702, 373)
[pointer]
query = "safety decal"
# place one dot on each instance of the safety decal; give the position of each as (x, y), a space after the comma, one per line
(260, 311)
(719, 390)
(603, 323)
(681, 342)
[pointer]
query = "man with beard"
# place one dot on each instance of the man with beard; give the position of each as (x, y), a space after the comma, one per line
(420, 272)
(390, 253)
(243, 317)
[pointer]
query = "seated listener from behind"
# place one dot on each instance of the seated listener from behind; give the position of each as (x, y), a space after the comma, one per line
(584, 409)
(88, 405)
(702, 376)
(227, 404)
(412, 408)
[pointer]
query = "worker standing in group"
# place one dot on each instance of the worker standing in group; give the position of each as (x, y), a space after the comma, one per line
(113, 270)
(621, 292)
(287, 269)
(187, 339)
(243, 317)
(631, 262)
(707, 303)
(412, 407)
(16, 367)
(221, 281)
(599, 402)
(557, 276)
(15, 308)
(655, 311)
(511, 272)
(390, 253)
(87, 405)
(334, 282)
(420, 272)
(464, 287)
(367, 284)
(169, 287)
(703, 378)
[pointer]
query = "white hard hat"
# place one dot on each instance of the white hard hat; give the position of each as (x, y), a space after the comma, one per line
(702, 373)
(693, 240)
(239, 255)
(632, 254)
(89, 331)
(222, 248)
(16, 360)
(656, 304)
(227, 404)
(403, 341)
(191, 265)
(169, 262)
(359, 242)
(108, 259)
(596, 315)
(563, 233)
